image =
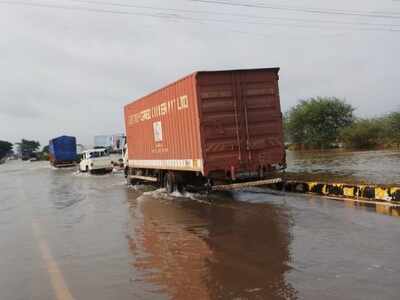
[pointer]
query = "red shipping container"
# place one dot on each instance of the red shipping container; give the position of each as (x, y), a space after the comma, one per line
(216, 123)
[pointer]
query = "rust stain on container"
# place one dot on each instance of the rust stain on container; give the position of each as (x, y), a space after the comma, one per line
(217, 121)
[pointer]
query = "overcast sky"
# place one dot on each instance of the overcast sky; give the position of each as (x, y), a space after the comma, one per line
(69, 67)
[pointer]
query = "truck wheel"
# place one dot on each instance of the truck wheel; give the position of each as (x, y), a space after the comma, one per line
(169, 183)
(87, 169)
(130, 181)
(180, 187)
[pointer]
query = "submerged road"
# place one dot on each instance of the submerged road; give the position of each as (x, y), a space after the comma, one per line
(65, 235)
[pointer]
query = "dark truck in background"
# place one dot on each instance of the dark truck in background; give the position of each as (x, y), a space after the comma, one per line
(208, 128)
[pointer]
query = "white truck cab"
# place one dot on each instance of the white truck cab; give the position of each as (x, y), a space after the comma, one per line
(96, 160)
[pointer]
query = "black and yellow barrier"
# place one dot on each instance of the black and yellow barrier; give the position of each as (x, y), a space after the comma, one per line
(353, 191)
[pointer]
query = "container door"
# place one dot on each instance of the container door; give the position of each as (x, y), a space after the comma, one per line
(241, 118)
(222, 121)
(261, 127)
(241, 121)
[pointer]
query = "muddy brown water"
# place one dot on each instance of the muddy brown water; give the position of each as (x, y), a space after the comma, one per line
(376, 167)
(69, 236)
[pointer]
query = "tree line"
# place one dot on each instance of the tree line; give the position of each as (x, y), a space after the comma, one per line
(5, 149)
(315, 123)
(329, 122)
(25, 149)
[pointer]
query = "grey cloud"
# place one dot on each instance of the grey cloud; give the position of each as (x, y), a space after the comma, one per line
(72, 72)
(19, 111)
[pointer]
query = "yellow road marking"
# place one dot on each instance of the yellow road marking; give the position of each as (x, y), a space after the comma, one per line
(57, 279)
(58, 282)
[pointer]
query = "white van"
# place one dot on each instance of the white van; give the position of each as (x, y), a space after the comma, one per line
(96, 160)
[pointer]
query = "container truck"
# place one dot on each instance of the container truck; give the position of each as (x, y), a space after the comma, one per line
(62, 151)
(210, 127)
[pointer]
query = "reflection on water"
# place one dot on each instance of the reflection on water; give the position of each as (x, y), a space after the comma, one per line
(380, 167)
(228, 250)
(111, 242)
(62, 192)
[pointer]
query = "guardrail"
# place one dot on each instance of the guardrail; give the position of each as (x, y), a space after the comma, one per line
(354, 191)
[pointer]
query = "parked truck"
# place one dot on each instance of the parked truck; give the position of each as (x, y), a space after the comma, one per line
(207, 128)
(62, 151)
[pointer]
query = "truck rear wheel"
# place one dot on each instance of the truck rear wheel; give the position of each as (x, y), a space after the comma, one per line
(169, 183)
(180, 187)
(131, 181)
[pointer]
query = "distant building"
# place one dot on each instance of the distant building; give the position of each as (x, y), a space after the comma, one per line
(80, 148)
(114, 143)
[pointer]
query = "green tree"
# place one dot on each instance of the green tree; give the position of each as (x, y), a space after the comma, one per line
(5, 148)
(317, 122)
(286, 134)
(45, 149)
(364, 133)
(393, 128)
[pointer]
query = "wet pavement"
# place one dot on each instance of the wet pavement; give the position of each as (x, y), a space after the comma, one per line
(65, 235)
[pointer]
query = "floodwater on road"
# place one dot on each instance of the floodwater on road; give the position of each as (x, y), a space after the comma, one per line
(65, 235)
(379, 167)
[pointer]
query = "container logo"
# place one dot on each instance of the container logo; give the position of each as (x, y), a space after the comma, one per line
(163, 109)
(183, 102)
(158, 134)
